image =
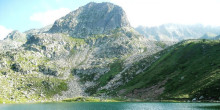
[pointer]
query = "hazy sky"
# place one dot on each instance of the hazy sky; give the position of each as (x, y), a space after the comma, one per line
(26, 14)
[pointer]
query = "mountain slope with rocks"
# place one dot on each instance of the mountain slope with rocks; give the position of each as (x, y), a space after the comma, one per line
(93, 51)
(77, 56)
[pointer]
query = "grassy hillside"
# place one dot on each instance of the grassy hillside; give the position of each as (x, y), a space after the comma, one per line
(189, 69)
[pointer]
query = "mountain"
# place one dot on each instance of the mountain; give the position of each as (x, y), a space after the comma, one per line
(37, 31)
(187, 70)
(76, 56)
(176, 32)
(208, 36)
(91, 19)
(93, 51)
(217, 37)
(13, 40)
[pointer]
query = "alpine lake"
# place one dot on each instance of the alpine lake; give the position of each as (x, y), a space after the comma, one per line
(112, 106)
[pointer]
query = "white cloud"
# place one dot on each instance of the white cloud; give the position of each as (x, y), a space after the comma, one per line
(156, 12)
(4, 32)
(48, 17)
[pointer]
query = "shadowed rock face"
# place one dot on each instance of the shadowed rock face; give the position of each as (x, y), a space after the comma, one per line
(93, 18)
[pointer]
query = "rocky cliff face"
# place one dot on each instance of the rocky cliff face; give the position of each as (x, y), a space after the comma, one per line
(94, 18)
(87, 51)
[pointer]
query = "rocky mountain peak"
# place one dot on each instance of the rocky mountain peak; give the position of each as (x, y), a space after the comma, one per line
(16, 36)
(13, 35)
(93, 18)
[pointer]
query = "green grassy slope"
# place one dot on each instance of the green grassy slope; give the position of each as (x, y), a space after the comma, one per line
(186, 70)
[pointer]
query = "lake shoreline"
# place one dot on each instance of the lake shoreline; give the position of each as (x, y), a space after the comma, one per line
(115, 99)
(111, 106)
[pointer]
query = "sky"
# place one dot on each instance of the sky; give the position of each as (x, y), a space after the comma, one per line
(23, 15)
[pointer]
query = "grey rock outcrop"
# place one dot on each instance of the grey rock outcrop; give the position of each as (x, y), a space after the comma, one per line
(13, 40)
(16, 36)
(93, 18)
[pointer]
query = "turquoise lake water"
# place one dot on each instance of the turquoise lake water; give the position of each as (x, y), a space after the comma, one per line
(112, 106)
